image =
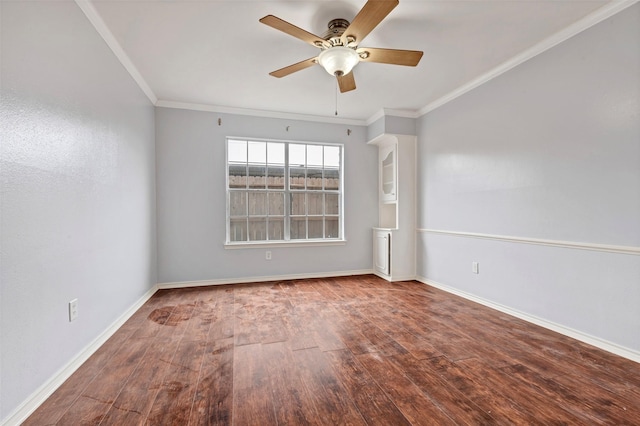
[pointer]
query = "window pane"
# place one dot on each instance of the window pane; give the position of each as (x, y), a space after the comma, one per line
(237, 175)
(276, 204)
(298, 228)
(314, 179)
(238, 203)
(314, 203)
(276, 229)
(296, 178)
(331, 203)
(297, 155)
(275, 177)
(257, 152)
(315, 227)
(257, 177)
(331, 156)
(237, 151)
(264, 206)
(314, 155)
(298, 204)
(275, 153)
(331, 227)
(257, 229)
(238, 230)
(331, 179)
(257, 204)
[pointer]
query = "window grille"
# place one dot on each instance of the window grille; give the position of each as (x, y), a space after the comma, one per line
(283, 191)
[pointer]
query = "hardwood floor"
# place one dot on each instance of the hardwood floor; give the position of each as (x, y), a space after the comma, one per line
(354, 350)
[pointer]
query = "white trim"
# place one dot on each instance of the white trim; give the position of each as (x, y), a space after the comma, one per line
(30, 405)
(375, 117)
(258, 113)
(384, 112)
(384, 139)
(539, 241)
(276, 244)
(402, 113)
(246, 280)
(577, 27)
(96, 20)
(394, 279)
(558, 328)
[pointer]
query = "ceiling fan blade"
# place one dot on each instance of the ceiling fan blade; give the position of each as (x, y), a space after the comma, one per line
(371, 14)
(282, 72)
(292, 30)
(346, 82)
(390, 56)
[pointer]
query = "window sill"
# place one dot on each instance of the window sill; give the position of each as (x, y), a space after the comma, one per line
(304, 243)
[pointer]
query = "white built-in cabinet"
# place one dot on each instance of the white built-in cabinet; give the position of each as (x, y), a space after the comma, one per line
(394, 237)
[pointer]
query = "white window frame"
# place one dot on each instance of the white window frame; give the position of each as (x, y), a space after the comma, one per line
(339, 240)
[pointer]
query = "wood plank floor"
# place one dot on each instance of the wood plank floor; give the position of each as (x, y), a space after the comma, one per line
(354, 350)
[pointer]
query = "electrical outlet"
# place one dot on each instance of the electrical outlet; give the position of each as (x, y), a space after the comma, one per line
(73, 310)
(267, 255)
(475, 267)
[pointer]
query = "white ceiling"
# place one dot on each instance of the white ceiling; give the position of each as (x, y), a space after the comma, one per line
(216, 53)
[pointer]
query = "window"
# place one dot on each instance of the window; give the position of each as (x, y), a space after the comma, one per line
(283, 191)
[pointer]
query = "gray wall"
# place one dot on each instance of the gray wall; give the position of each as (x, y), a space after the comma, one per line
(392, 125)
(78, 200)
(548, 150)
(191, 198)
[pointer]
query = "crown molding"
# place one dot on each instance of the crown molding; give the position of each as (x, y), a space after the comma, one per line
(403, 113)
(375, 117)
(94, 17)
(258, 113)
(577, 27)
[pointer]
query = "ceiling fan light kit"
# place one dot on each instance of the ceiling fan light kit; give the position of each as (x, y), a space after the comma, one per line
(338, 60)
(339, 44)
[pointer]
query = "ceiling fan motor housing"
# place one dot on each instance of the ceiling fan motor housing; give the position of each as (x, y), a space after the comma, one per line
(336, 27)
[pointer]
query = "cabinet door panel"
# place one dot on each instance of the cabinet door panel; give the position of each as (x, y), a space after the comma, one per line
(382, 242)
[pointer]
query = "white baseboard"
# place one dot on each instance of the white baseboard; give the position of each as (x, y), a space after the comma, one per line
(30, 405)
(244, 280)
(394, 279)
(558, 328)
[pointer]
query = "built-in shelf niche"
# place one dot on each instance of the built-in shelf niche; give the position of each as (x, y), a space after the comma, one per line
(388, 174)
(388, 215)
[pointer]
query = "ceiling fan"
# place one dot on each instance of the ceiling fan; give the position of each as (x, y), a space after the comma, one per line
(339, 44)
